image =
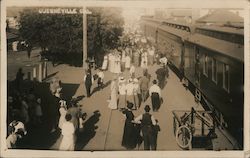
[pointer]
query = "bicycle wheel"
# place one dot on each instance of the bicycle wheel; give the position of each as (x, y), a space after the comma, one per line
(183, 137)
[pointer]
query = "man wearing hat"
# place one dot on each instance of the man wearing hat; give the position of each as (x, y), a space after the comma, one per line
(88, 80)
(155, 94)
(147, 121)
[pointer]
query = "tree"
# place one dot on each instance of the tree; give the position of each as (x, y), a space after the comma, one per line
(105, 26)
(60, 35)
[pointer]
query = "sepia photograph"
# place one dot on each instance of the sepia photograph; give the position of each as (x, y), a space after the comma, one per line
(124, 78)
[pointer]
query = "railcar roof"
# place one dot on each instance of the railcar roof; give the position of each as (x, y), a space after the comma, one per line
(151, 19)
(177, 32)
(233, 50)
(174, 31)
(171, 21)
(222, 29)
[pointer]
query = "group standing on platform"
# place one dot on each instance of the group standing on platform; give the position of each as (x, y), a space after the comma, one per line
(128, 91)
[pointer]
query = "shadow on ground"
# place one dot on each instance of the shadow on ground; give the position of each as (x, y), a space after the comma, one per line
(88, 131)
(96, 89)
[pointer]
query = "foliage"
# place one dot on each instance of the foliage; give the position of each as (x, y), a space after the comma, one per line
(105, 26)
(61, 35)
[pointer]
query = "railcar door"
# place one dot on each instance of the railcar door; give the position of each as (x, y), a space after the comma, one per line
(182, 64)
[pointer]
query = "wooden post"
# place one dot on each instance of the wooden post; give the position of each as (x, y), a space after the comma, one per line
(85, 45)
(45, 69)
(192, 115)
(40, 77)
(34, 73)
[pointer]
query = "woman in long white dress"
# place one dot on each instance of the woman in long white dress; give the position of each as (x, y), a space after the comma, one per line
(127, 63)
(110, 61)
(105, 63)
(68, 133)
(117, 66)
(144, 60)
(113, 96)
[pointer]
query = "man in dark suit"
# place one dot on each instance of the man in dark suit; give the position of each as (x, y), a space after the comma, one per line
(147, 122)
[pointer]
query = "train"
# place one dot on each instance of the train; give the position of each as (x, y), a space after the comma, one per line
(210, 58)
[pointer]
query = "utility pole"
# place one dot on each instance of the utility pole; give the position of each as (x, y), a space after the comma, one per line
(85, 37)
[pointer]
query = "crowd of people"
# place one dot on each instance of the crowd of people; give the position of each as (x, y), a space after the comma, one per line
(26, 112)
(23, 109)
(129, 91)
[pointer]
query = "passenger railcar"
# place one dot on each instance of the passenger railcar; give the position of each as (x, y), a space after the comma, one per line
(211, 58)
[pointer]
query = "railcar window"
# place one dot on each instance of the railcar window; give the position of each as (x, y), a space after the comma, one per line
(205, 65)
(214, 70)
(226, 79)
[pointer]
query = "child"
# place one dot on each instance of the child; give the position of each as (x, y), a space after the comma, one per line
(13, 137)
(63, 113)
(156, 129)
(68, 133)
(100, 75)
(82, 117)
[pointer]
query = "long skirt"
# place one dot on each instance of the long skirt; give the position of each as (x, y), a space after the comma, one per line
(130, 98)
(68, 143)
(105, 64)
(122, 101)
(129, 136)
(122, 66)
(137, 101)
(156, 101)
(113, 100)
(150, 60)
(117, 67)
(61, 121)
(136, 60)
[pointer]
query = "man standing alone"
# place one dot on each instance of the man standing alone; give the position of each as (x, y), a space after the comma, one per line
(155, 93)
(88, 80)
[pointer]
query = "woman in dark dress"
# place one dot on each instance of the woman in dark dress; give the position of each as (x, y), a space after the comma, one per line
(129, 137)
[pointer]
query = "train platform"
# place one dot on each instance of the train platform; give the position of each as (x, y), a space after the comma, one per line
(104, 128)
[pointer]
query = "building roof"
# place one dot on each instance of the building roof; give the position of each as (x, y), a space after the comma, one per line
(231, 30)
(178, 32)
(221, 16)
(232, 50)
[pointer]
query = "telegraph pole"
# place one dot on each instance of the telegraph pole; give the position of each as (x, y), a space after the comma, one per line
(85, 37)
